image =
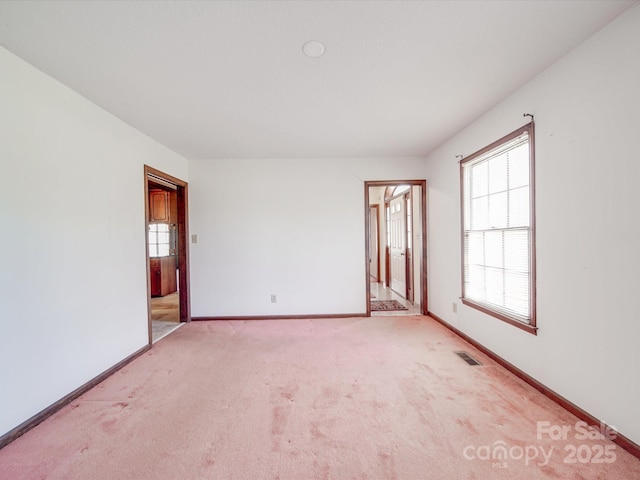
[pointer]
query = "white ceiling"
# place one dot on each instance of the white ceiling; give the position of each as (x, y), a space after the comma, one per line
(229, 80)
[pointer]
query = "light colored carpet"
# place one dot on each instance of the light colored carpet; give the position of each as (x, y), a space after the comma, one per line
(364, 398)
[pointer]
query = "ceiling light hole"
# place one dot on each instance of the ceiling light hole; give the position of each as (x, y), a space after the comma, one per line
(313, 49)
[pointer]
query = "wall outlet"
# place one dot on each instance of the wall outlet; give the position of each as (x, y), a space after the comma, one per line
(274, 298)
(455, 307)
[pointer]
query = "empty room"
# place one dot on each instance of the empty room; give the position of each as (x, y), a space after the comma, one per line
(305, 240)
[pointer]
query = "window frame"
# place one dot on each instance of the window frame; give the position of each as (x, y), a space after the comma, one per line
(530, 327)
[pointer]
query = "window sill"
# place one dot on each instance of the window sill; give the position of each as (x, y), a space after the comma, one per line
(532, 329)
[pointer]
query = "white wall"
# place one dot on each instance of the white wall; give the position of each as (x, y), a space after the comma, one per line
(72, 273)
(289, 227)
(587, 110)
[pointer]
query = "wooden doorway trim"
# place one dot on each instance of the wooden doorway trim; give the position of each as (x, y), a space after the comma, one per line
(182, 197)
(424, 304)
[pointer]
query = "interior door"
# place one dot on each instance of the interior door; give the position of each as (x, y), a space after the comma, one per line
(374, 244)
(398, 245)
(409, 249)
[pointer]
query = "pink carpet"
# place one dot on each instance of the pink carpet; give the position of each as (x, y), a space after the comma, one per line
(363, 398)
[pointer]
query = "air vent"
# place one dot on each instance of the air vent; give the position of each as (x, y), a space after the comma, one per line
(468, 358)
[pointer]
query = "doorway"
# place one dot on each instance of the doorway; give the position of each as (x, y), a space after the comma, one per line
(402, 244)
(166, 221)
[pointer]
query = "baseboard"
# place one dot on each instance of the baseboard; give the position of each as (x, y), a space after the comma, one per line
(624, 442)
(24, 427)
(278, 317)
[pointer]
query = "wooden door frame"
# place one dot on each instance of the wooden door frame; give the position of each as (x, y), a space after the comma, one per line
(182, 197)
(424, 303)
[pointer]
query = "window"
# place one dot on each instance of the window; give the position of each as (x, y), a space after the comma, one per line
(498, 229)
(159, 240)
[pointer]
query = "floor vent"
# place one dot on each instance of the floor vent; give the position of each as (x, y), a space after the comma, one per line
(468, 358)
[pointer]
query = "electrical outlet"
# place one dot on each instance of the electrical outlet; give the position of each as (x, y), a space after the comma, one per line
(274, 298)
(455, 307)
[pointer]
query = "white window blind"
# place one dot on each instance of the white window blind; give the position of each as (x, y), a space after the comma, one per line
(497, 229)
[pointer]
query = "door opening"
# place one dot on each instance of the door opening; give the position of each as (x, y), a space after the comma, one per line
(402, 251)
(166, 211)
